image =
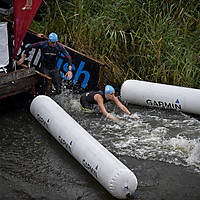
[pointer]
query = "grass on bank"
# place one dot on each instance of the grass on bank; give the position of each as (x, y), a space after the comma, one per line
(147, 40)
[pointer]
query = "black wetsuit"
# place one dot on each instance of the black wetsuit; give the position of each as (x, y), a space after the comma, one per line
(87, 99)
(49, 58)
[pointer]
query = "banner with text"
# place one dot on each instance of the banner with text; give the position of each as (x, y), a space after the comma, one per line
(85, 70)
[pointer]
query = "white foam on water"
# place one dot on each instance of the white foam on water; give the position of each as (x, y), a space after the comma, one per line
(194, 157)
(175, 142)
(189, 149)
(160, 135)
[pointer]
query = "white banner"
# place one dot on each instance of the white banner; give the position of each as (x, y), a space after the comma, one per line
(4, 58)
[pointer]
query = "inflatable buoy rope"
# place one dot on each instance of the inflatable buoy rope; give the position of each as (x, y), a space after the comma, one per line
(113, 174)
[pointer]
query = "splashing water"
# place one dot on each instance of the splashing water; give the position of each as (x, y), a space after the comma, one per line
(161, 135)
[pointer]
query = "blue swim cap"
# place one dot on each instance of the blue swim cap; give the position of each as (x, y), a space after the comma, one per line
(53, 37)
(109, 89)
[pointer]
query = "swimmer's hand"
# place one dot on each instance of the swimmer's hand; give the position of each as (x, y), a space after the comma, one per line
(112, 118)
(135, 116)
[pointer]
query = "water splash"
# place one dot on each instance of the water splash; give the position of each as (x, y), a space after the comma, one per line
(161, 135)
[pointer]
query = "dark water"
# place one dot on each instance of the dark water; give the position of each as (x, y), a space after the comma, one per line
(162, 149)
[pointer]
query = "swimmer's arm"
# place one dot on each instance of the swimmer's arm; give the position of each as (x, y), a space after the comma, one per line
(121, 106)
(124, 108)
(98, 98)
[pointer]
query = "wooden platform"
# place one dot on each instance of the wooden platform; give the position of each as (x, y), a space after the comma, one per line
(18, 81)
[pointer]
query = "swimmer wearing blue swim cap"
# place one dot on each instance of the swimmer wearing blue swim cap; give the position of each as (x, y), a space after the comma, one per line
(89, 99)
(50, 52)
(109, 89)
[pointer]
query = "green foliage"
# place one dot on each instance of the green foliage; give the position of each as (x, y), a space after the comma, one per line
(148, 40)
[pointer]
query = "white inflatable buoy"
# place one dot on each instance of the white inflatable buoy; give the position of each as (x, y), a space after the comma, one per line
(161, 95)
(111, 173)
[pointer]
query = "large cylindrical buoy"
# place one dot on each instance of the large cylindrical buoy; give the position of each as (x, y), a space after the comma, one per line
(111, 173)
(161, 95)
